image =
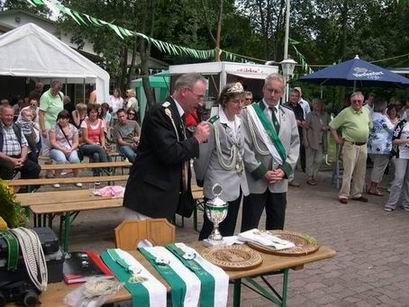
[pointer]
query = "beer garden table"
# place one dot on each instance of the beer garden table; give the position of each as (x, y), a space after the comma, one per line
(272, 264)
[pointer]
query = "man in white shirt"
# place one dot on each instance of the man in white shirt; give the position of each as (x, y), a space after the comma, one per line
(303, 103)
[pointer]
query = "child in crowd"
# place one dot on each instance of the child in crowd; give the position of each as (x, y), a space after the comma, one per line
(79, 114)
(315, 139)
(30, 130)
(107, 118)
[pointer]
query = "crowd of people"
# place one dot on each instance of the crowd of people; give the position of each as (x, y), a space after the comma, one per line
(251, 148)
(44, 123)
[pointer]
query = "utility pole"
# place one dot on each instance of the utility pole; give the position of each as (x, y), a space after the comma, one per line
(219, 30)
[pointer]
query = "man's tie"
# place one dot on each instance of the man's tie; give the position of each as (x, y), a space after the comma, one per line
(274, 119)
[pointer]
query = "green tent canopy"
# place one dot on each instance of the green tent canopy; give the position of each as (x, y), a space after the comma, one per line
(160, 83)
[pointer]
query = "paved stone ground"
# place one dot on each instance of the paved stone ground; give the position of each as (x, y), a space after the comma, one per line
(371, 267)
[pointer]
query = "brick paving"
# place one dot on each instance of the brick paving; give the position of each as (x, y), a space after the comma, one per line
(371, 267)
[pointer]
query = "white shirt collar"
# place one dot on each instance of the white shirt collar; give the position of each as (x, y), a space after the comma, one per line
(180, 110)
(233, 124)
(268, 107)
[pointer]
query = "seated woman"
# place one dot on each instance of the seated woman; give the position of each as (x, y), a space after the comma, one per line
(93, 138)
(64, 144)
(221, 158)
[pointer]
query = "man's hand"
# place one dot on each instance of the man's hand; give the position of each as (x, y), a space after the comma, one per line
(268, 176)
(17, 163)
(339, 140)
(277, 175)
(202, 132)
(44, 133)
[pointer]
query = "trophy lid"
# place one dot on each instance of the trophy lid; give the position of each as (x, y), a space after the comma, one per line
(217, 190)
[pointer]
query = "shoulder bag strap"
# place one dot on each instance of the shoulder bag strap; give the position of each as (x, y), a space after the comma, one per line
(62, 130)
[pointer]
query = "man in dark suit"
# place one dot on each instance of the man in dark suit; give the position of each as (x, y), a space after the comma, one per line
(160, 176)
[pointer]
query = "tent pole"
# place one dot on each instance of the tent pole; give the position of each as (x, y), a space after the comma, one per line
(354, 85)
(321, 91)
(65, 87)
(83, 89)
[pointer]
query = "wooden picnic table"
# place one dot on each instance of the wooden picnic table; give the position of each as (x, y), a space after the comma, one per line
(68, 204)
(272, 264)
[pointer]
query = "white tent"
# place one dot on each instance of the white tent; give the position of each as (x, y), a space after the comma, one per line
(30, 51)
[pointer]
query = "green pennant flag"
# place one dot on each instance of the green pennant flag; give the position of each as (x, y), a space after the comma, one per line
(115, 28)
(69, 13)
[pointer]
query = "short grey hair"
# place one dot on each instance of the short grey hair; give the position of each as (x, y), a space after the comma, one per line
(56, 83)
(379, 105)
(188, 80)
(274, 77)
(357, 93)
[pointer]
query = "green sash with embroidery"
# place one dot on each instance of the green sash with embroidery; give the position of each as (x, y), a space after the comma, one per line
(207, 282)
(140, 295)
(176, 283)
(271, 132)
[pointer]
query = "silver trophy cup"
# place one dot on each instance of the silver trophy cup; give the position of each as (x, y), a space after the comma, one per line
(216, 211)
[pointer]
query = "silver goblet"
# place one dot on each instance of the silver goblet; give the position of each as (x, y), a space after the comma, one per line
(216, 212)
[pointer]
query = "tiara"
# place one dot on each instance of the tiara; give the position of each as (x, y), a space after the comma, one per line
(236, 88)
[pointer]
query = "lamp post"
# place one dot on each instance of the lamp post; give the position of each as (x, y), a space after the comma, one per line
(287, 66)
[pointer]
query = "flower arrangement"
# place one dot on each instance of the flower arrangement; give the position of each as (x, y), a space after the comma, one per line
(11, 213)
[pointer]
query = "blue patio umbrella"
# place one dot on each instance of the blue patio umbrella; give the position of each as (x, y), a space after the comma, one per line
(356, 72)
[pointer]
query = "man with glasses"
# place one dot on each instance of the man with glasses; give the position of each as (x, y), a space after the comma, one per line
(159, 180)
(271, 152)
(14, 149)
(355, 123)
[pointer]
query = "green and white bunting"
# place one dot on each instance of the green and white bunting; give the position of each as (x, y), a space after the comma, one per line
(165, 47)
(301, 59)
(144, 288)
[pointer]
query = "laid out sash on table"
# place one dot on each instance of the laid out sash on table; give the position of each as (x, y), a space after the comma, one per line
(214, 281)
(144, 288)
(184, 284)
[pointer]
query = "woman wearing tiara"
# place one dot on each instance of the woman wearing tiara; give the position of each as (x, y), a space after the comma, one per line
(221, 159)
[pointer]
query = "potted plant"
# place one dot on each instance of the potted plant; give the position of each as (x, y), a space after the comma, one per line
(11, 213)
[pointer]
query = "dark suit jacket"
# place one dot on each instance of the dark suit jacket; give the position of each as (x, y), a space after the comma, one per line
(154, 184)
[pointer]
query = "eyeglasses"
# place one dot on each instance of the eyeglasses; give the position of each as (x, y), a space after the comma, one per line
(356, 100)
(273, 91)
(197, 96)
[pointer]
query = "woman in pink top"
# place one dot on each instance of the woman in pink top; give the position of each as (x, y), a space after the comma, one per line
(93, 138)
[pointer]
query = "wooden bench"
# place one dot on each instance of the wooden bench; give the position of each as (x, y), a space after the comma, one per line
(118, 164)
(66, 180)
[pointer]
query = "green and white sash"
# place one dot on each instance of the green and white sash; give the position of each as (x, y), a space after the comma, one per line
(13, 248)
(184, 284)
(267, 132)
(214, 281)
(145, 289)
